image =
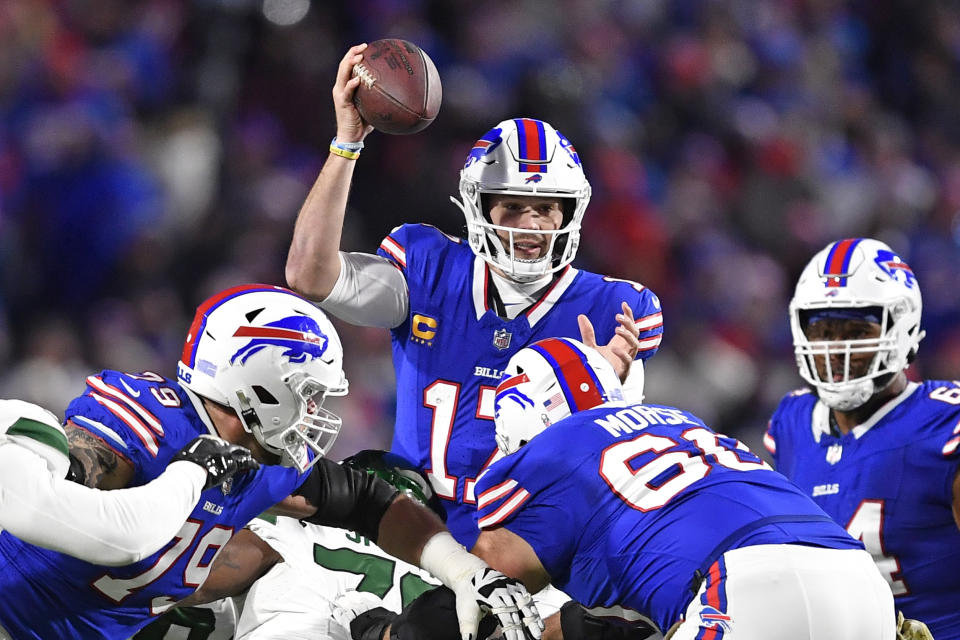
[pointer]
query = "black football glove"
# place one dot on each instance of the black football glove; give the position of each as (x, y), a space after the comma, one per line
(220, 459)
(576, 622)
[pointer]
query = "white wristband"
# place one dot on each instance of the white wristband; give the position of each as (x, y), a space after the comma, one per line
(448, 560)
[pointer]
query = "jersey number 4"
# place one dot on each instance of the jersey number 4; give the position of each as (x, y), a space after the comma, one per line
(866, 525)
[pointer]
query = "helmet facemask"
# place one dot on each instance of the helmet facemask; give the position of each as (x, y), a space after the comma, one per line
(312, 427)
(501, 164)
(868, 290)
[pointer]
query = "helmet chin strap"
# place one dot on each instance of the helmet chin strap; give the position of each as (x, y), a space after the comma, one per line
(848, 399)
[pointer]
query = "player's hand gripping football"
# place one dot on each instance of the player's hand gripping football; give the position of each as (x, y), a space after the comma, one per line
(220, 459)
(622, 348)
(489, 591)
(350, 126)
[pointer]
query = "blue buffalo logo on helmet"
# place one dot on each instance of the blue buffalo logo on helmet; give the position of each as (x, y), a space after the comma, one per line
(891, 264)
(534, 178)
(484, 146)
(507, 389)
(300, 335)
(568, 147)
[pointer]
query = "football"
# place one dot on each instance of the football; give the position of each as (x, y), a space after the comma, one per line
(399, 91)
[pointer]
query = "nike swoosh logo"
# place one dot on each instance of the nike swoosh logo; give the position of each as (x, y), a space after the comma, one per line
(135, 394)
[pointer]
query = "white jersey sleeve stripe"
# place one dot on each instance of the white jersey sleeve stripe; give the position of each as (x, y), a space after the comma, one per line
(97, 383)
(770, 443)
(495, 493)
(102, 430)
(138, 427)
(504, 511)
(399, 254)
(652, 321)
(650, 343)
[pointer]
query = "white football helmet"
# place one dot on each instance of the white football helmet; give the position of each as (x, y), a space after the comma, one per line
(849, 277)
(273, 357)
(547, 382)
(523, 157)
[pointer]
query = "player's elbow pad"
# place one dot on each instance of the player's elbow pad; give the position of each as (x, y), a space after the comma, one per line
(347, 498)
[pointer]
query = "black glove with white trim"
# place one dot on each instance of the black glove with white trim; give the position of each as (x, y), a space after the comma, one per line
(220, 459)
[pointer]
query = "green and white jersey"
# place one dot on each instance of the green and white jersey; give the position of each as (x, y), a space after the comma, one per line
(298, 598)
(33, 427)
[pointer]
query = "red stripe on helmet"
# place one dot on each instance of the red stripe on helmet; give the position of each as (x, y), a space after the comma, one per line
(580, 382)
(207, 306)
(276, 333)
(512, 382)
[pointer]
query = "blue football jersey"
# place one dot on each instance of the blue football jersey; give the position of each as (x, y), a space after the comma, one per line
(450, 352)
(889, 482)
(146, 419)
(624, 504)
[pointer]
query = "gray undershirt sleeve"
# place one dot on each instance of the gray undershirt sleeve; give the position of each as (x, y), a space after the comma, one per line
(371, 292)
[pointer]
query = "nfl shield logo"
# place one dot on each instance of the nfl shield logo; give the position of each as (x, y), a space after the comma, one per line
(834, 453)
(501, 339)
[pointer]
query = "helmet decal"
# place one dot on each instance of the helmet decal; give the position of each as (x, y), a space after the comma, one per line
(546, 382)
(188, 357)
(508, 389)
(577, 379)
(568, 147)
(301, 336)
(484, 146)
(837, 267)
(532, 145)
(891, 264)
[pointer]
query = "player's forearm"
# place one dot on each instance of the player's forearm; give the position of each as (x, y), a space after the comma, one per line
(405, 528)
(103, 527)
(313, 263)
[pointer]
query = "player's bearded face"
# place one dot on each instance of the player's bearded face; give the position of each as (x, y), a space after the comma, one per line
(529, 213)
(834, 329)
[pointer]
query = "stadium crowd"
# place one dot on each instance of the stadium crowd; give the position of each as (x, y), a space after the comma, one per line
(152, 153)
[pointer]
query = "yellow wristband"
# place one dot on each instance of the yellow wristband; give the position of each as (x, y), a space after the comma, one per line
(344, 153)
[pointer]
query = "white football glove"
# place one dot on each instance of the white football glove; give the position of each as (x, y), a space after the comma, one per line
(480, 590)
(501, 596)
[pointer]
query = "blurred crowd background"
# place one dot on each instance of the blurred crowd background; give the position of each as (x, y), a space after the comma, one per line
(153, 152)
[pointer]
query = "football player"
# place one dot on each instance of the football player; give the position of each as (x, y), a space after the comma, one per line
(877, 452)
(39, 505)
(459, 308)
(257, 365)
(309, 581)
(643, 512)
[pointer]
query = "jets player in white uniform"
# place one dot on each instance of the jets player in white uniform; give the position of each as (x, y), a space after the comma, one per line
(39, 505)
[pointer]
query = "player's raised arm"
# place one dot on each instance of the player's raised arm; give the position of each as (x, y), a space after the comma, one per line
(313, 262)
